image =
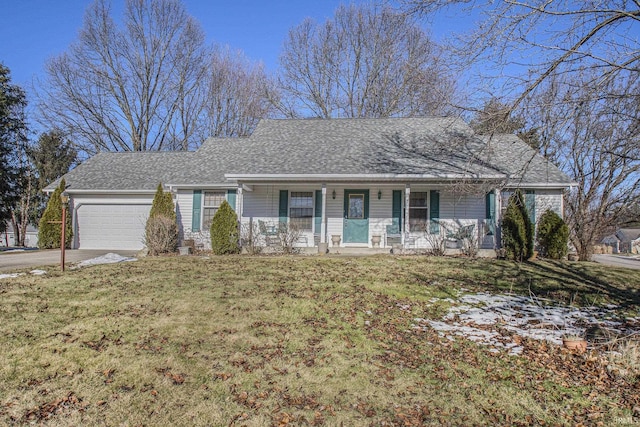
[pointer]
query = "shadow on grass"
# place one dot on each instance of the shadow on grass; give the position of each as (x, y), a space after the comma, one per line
(568, 283)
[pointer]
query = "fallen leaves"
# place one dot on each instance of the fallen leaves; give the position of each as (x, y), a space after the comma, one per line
(55, 407)
(177, 379)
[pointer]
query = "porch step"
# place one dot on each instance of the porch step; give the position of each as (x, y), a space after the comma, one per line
(358, 251)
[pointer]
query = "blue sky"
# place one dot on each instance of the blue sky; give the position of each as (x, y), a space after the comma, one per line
(32, 31)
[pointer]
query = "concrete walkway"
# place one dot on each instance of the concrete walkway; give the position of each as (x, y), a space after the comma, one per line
(30, 258)
(618, 261)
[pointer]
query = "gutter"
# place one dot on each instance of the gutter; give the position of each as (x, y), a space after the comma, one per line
(357, 177)
(548, 185)
(72, 191)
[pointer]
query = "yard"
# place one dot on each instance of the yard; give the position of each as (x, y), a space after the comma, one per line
(305, 341)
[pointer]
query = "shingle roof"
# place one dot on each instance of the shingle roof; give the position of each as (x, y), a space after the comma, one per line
(628, 234)
(438, 147)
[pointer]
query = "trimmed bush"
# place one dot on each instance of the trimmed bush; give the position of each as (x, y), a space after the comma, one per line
(161, 230)
(517, 229)
(553, 235)
(161, 235)
(163, 204)
(49, 228)
(224, 231)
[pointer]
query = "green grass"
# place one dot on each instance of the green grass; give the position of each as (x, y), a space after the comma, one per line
(294, 340)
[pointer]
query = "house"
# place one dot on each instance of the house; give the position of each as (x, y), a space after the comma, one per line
(7, 239)
(351, 182)
(625, 240)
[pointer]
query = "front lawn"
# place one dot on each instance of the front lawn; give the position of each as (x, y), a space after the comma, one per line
(298, 341)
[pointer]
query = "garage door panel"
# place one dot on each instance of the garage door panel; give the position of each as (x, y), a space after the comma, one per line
(118, 227)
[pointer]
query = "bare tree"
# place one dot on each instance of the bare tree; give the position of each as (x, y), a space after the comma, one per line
(237, 94)
(547, 37)
(132, 87)
(365, 62)
(597, 142)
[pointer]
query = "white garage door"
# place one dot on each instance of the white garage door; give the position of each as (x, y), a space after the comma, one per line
(117, 227)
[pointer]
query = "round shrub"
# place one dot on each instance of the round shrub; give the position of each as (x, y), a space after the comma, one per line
(553, 235)
(224, 231)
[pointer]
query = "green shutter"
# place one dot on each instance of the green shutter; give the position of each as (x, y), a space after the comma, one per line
(490, 210)
(396, 212)
(283, 208)
(318, 212)
(197, 208)
(434, 211)
(231, 198)
(530, 203)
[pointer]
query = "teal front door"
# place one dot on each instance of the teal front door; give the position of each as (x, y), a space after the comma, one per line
(356, 216)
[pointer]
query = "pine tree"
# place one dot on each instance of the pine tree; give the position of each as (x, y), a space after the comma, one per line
(162, 204)
(224, 231)
(49, 228)
(517, 229)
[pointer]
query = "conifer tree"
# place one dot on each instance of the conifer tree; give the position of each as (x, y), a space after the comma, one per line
(553, 235)
(49, 228)
(517, 229)
(161, 231)
(162, 204)
(224, 231)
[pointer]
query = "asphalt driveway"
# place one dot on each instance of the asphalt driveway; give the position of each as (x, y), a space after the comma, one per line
(618, 261)
(26, 259)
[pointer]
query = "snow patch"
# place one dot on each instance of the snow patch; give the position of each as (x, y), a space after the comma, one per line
(38, 272)
(497, 320)
(10, 275)
(109, 258)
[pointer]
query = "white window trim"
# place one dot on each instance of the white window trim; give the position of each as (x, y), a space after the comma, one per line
(427, 208)
(203, 206)
(313, 207)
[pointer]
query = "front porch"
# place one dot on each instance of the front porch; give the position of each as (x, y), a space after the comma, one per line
(378, 218)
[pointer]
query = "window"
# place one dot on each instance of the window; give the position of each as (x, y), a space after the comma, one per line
(301, 210)
(418, 211)
(212, 201)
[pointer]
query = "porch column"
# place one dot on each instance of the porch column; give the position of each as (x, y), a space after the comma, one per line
(498, 237)
(323, 219)
(239, 202)
(407, 194)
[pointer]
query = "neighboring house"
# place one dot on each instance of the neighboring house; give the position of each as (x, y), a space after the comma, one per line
(402, 180)
(625, 240)
(30, 240)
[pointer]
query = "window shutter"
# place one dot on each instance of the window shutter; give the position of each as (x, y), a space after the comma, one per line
(231, 198)
(396, 212)
(490, 205)
(283, 208)
(490, 210)
(434, 211)
(196, 210)
(318, 212)
(530, 203)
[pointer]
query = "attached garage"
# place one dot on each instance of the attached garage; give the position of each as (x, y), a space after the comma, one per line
(117, 226)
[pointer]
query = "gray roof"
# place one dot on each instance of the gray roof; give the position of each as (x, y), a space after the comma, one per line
(434, 148)
(628, 234)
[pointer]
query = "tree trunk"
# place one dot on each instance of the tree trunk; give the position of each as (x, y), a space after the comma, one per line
(18, 238)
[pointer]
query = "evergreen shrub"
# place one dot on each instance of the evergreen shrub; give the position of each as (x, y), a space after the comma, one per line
(161, 230)
(49, 227)
(553, 235)
(517, 229)
(224, 231)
